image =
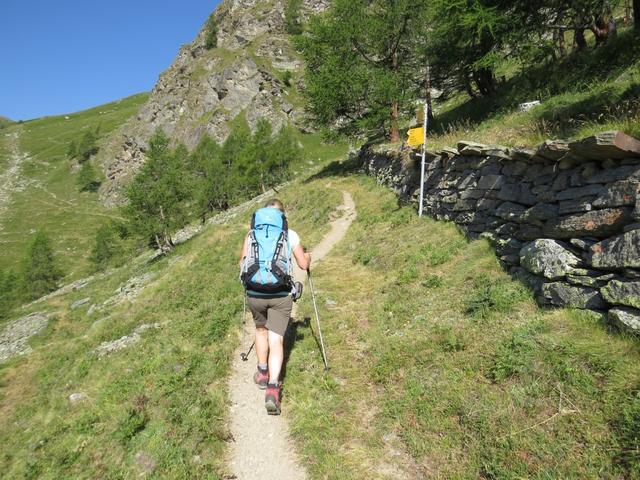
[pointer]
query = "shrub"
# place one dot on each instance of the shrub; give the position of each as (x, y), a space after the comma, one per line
(292, 23)
(287, 76)
(211, 33)
(72, 150)
(432, 281)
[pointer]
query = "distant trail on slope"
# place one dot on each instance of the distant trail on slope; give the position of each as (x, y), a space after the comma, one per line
(10, 178)
(261, 447)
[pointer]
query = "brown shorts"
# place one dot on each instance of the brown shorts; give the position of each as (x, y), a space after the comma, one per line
(274, 313)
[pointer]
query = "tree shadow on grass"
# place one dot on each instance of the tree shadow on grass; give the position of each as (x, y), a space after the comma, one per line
(342, 168)
(576, 73)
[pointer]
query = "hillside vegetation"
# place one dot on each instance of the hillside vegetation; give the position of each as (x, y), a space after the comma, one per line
(159, 402)
(47, 197)
(369, 64)
(444, 367)
(452, 367)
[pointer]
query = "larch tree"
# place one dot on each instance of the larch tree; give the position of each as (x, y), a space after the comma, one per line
(361, 63)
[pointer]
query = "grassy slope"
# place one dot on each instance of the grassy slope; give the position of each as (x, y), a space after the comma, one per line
(166, 395)
(443, 367)
(585, 93)
(51, 201)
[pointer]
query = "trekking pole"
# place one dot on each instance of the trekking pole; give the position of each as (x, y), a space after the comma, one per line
(245, 355)
(315, 307)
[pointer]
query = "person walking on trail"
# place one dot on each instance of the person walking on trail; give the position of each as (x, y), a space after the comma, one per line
(266, 273)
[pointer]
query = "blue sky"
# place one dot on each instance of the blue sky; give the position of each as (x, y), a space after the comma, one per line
(67, 55)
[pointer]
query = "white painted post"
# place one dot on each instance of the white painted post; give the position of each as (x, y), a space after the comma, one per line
(424, 157)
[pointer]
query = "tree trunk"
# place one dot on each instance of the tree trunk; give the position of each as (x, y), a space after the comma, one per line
(627, 12)
(430, 116)
(394, 134)
(485, 81)
(636, 14)
(559, 38)
(603, 28)
(581, 42)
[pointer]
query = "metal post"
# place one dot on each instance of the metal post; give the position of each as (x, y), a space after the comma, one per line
(315, 307)
(425, 123)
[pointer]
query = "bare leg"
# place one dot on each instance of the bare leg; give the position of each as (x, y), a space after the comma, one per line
(262, 344)
(276, 356)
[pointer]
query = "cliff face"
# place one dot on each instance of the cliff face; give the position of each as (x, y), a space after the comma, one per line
(205, 90)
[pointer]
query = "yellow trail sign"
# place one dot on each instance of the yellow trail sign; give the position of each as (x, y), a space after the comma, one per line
(416, 136)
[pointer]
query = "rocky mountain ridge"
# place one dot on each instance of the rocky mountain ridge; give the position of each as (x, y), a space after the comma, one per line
(205, 91)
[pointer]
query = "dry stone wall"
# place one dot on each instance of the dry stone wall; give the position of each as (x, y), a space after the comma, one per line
(564, 217)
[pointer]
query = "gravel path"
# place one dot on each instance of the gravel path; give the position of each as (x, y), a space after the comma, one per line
(262, 448)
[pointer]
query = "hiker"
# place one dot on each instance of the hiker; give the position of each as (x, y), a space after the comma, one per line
(271, 291)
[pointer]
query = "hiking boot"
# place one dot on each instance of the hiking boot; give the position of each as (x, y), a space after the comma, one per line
(261, 378)
(272, 399)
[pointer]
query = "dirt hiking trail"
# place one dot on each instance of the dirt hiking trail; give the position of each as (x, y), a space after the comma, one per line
(10, 181)
(261, 447)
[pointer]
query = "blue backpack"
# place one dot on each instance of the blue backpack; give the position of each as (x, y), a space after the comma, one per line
(267, 266)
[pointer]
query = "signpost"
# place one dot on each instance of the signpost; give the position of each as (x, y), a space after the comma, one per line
(418, 136)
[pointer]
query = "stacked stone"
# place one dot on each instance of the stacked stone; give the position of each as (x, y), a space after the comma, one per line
(564, 217)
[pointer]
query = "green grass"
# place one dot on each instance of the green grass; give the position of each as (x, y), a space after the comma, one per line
(584, 93)
(166, 395)
(51, 200)
(5, 122)
(443, 367)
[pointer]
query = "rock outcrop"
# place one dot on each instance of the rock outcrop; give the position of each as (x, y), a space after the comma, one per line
(564, 217)
(204, 90)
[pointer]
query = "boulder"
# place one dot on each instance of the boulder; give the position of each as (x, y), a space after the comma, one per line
(553, 149)
(491, 182)
(575, 206)
(625, 318)
(614, 174)
(620, 252)
(79, 303)
(597, 223)
(523, 154)
(548, 258)
(607, 145)
(467, 148)
(510, 211)
(564, 295)
(539, 212)
(619, 194)
(497, 151)
(577, 192)
(618, 292)
(77, 397)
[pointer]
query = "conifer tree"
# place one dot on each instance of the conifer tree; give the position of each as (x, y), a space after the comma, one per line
(40, 270)
(9, 285)
(106, 247)
(158, 193)
(361, 63)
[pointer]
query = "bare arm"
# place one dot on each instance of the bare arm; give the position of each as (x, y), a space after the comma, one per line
(303, 259)
(243, 252)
